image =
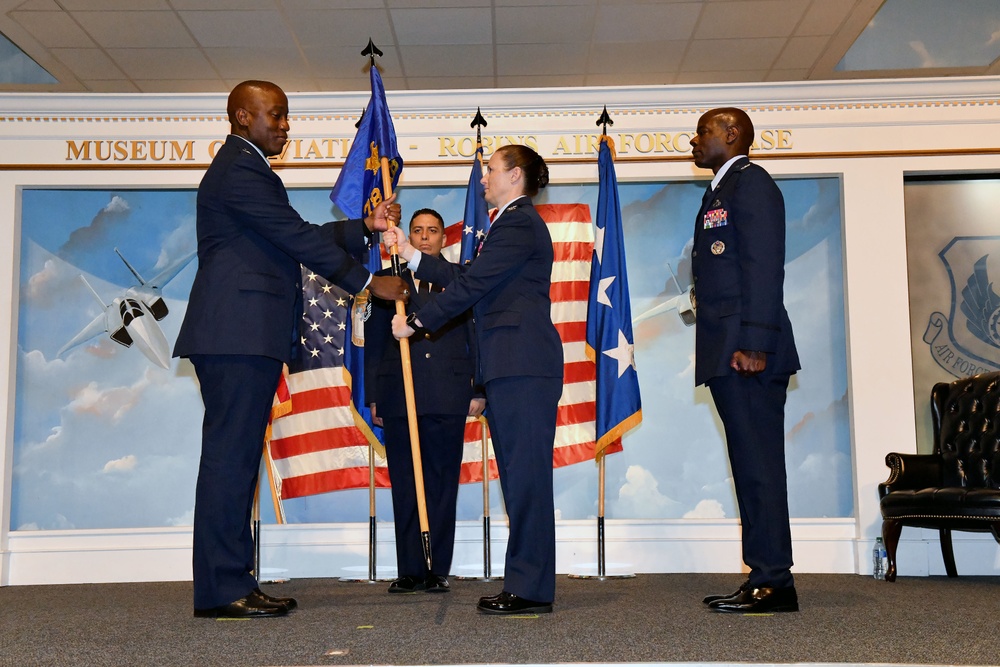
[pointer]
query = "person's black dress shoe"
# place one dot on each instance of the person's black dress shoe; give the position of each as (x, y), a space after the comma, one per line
(508, 603)
(251, 606)
(407, 585)
(759, 601)
(709, 599)
(435, 583)
(288, 603)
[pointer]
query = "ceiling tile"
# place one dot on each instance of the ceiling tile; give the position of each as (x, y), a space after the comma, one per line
(424, 4)
(135, 29)
(217, 5)
(39, 5)
(113, 5)
(256, 62)
(193, 85)
(452, 43)
(641, 57)
(552, 3)
(343, 27)
(709, 55)
(237, 28)
(346, 62)
(824, 17)
(726, 76)
(523, 59)
(541, 81)
(88, 63)
(472, 25)
(111, 86)
(449, 82)
(161, 63)
(629, 78)
(800, 50)
(53, 29)
(351, 84)
(787, 75)
(447, 61)
(520, 25)
(645, 22)
(749, 18)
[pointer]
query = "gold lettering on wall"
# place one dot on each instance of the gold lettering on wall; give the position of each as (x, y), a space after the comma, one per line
(160, 150)
(627, 144)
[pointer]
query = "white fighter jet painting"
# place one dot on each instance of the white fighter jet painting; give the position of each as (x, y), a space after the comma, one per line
(682, 303)
(131, 319)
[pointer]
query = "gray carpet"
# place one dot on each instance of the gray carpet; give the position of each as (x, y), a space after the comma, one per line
(651, 618)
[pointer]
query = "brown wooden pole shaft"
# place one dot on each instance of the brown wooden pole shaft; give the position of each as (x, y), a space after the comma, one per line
(408, 393)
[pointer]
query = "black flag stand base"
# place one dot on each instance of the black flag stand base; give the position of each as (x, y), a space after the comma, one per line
(372, 578)
(487, 560)
(599, 572)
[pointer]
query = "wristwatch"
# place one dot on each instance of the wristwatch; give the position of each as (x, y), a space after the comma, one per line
(411, 321)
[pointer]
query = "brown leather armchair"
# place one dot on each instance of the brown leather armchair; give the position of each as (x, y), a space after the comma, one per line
(957, 487)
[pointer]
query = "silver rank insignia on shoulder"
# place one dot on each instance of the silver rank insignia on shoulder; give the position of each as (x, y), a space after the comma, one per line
(718, 248)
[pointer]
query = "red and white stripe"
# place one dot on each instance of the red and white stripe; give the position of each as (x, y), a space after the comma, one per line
(321, 446)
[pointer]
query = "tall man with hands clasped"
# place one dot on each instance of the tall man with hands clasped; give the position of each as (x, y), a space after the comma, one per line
(241, 322)
(744, 348)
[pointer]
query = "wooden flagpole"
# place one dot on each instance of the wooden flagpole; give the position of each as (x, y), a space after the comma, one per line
(411, 405)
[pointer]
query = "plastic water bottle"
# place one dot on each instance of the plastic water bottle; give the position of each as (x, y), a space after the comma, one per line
(878, 559)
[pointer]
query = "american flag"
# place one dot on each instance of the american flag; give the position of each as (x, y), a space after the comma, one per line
(322, 444)
(572, 234)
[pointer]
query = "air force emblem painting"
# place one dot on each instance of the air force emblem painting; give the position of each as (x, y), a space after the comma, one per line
(968, 340)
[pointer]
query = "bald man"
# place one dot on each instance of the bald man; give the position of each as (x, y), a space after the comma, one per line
(744, 348)
(239, 328)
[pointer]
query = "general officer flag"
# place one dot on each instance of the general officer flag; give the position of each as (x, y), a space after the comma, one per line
(477, 219)
(610, 343)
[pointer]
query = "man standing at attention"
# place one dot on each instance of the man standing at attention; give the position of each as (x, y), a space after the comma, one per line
(744, 348)
(238, 331)
(444, 367)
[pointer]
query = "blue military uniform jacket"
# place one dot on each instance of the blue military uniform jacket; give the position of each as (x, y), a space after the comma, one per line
(443, 362)
(507, 286)
(738, 266)
(247, 292)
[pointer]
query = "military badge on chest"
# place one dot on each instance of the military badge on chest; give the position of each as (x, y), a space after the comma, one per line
(716, 217)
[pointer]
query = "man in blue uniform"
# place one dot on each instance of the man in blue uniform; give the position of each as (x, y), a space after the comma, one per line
(245, 305)
(443, 364)
(744, 348)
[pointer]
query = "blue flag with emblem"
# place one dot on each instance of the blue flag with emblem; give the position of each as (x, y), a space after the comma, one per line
(476, 222)
(610, 344)
(358, 190)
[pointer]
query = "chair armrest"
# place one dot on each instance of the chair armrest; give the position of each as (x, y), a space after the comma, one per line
(911, 471)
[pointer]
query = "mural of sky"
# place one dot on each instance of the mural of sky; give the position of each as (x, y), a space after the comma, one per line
(106, 439)
(16, 67)
(921, 34)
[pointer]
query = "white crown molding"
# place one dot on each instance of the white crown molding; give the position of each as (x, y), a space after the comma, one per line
(662, 98)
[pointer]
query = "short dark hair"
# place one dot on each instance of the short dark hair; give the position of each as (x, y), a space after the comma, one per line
(426, 211)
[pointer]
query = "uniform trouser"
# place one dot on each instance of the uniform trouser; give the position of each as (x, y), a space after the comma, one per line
(442, 438)
(237, 391)
(522, 417)
(753, 415)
